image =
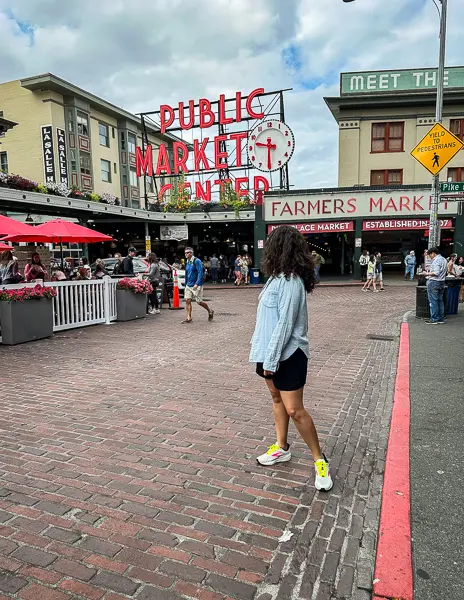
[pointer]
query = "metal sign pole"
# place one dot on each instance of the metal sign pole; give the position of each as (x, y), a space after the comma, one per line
(434, 232)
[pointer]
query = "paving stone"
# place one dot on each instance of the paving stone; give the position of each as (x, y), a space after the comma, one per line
(194, 519)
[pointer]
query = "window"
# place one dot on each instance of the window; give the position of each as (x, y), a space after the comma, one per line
(106, 170)
(73, 161)
(387, 137)
(115, 169)
(456, 174)
(4, 162)
(150, 186)
(85, 163)
(123, 141)
(83, 124)
(114, 133)
(387, 177)
(132, 142)
(133, 178)
(104, 133)
(457, 127)
(70, 122)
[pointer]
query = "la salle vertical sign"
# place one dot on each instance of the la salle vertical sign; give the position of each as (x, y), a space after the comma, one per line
(62, 155)
(48, 152)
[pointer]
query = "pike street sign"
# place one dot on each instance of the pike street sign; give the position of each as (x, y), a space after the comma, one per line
(452, 187)
(437, 148)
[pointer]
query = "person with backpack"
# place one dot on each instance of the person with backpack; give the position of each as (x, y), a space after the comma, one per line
(318, 261)
(363, 262)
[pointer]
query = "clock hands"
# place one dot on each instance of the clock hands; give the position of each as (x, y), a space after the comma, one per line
(270, 146)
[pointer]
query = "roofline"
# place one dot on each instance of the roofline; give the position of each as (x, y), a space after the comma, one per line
(5, 125)
(354, 189)
(435, 68)
(45, 81)
(385, 99)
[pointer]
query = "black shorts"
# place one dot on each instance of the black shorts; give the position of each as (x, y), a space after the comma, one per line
(291, 374)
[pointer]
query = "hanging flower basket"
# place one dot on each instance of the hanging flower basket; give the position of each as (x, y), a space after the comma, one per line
(26, 314)
(131, 298)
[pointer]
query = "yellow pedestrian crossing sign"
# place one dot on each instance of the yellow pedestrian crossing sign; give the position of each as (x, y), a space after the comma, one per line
(437, 148)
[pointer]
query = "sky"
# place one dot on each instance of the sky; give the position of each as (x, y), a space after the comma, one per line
(140, 54)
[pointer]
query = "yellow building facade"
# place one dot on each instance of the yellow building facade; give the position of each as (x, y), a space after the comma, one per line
(67, 135)
(383, 115)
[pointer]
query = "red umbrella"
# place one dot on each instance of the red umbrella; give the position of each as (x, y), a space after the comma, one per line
(5, 247)
(59, 231)
(11, 227)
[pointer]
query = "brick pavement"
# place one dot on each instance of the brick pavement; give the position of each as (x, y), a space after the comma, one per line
(127, 464)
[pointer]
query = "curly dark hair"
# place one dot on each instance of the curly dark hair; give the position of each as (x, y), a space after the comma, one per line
(286, 252)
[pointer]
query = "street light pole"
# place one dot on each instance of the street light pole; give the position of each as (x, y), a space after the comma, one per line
(434, 231)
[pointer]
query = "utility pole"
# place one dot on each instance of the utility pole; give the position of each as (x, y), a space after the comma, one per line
(434, 231)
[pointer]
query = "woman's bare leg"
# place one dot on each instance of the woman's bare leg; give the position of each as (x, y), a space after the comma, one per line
(293, 403)
(281, 417)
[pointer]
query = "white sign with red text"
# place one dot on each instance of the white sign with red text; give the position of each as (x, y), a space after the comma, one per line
(382, 225)
(319, 227)
(404, 203)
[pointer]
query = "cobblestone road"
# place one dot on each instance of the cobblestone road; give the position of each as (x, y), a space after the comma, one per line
(127, 458)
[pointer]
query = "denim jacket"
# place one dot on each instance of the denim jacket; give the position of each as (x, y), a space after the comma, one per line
(281, 323)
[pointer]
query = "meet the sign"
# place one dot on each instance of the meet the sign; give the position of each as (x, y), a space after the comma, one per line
(48, 153)
(346, 205)
(400, 80)
(62, 155)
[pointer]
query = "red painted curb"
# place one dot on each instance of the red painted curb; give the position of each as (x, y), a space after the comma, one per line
(393, 569)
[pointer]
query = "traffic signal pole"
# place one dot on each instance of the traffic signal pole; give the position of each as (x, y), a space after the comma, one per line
(434, 232)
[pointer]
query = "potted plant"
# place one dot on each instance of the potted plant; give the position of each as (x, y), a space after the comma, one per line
(26, 314)
(131, 298)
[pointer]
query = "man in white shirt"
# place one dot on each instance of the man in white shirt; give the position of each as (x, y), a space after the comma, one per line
(436, 287)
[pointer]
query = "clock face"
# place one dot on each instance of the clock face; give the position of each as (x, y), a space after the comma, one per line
(270, 145)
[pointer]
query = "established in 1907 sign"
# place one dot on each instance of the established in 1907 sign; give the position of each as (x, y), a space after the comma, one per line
(437, 148)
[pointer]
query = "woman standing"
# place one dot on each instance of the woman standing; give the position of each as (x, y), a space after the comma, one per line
(238, 270)
(280, 346)
(153, 277)
(35, 269)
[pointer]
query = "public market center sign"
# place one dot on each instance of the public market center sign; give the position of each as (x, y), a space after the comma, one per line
(267, 147)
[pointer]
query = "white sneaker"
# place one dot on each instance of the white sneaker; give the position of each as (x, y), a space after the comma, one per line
(323, 479)
(156, 312)
(151, 311)
(274, 455)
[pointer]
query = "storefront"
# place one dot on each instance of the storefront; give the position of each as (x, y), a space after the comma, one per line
(339, 223)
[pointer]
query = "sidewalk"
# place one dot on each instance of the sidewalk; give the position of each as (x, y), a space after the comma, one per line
(437, 457)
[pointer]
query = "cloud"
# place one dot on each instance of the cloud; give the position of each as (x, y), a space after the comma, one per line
(143, 53)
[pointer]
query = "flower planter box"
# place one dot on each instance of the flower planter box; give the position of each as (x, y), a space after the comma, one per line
(130, 306)
(26, 321)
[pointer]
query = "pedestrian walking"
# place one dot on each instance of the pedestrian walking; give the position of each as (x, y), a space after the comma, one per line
(280, 346)
(214, 268)
(118, 265)
(379, 272)
(153, 277)
(238, 270)
(436, 286)
(318, 261)
(371, 279)
(410, 262)
(194, 282)
(363, 262)
(127, 266)
(245, 269)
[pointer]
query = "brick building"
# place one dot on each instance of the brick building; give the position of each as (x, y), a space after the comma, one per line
(66, 134)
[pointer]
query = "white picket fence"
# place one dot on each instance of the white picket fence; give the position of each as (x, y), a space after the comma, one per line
(81, 303)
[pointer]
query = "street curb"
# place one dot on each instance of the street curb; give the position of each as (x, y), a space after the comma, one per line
(393, 570)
